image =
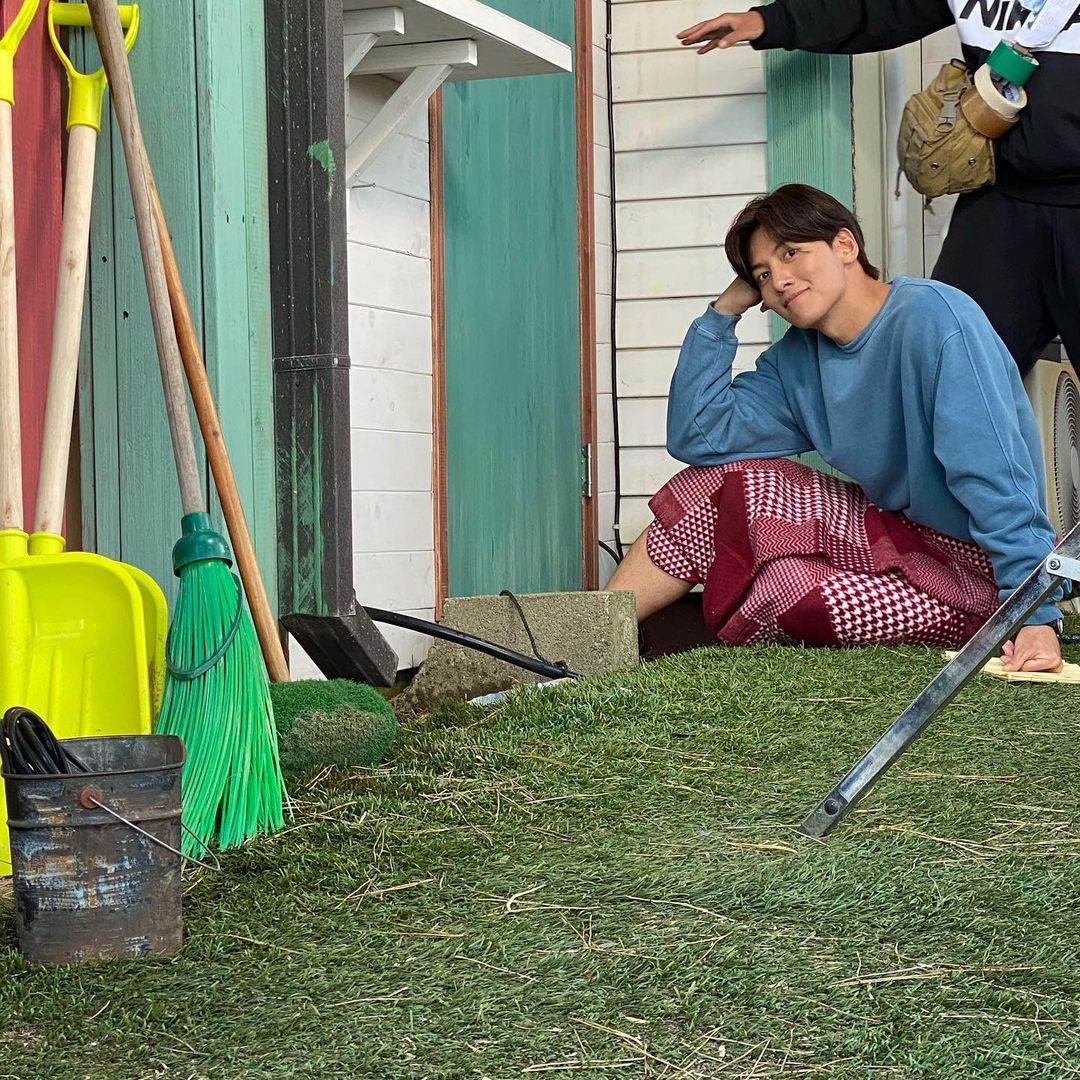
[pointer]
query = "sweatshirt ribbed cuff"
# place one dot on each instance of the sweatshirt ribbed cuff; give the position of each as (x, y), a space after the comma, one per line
(1043, 614)
(717, 325)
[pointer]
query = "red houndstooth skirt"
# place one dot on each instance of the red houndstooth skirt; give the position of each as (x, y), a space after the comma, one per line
(791, 555)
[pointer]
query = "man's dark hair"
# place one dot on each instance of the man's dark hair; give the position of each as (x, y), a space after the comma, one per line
(793, 213)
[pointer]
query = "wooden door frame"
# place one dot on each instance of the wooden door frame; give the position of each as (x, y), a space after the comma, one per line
(586, 190)
(440, 511)
(586, 186)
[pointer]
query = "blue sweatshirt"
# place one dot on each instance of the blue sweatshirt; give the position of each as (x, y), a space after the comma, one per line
(924, 410)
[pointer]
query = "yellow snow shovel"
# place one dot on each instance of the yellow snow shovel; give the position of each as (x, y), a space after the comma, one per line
(83, 640)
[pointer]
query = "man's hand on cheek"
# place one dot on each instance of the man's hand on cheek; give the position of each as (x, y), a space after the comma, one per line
(1036, 648)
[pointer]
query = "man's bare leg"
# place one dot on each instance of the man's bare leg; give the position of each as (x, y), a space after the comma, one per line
(639, 574)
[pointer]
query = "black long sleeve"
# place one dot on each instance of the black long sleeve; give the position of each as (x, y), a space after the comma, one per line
(849, 26)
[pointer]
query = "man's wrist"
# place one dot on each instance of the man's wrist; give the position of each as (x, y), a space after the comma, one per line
(722, 305)
(728, 311)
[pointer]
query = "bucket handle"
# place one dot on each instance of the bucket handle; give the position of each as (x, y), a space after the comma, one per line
(89, 797)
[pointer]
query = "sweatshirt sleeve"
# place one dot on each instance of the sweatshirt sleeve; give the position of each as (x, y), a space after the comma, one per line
(988, 465)
(849, 26)
(713, 419)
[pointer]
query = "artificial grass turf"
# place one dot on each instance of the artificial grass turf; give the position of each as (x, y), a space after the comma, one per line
(603, 881)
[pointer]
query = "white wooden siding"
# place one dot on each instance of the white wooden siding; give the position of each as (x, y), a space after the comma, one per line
(390, 349)
(689, 153)
(389, 262)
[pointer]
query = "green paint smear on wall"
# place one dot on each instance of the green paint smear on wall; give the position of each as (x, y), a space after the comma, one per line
(323, 153)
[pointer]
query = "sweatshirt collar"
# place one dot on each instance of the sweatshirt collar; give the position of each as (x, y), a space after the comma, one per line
(859, 341)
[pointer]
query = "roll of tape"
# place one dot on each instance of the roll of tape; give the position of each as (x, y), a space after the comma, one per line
(982, 116)
(1011, 65)
(1007, 107)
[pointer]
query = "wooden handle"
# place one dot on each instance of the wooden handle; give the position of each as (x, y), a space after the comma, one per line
(11, 498)
(67, 330)
(105, 16)
(217, 453)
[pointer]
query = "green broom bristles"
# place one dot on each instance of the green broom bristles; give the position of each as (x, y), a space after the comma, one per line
(217, 699)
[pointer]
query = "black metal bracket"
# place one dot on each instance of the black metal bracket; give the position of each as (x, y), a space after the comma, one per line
(345, 646)
(1062, 565)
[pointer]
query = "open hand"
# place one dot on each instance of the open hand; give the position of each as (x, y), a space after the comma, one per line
(1036, 648)
(724, 31)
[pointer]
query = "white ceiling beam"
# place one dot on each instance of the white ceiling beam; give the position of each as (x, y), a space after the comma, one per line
(363, 29)
(387, 59)
(506, 46)
(381, 20)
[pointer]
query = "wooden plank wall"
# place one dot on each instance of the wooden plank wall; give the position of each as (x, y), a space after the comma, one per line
(200, 76)
(230, 88)
(689, 153)
(512, 326)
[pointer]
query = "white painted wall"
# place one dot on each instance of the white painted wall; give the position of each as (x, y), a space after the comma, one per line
(689, 154)
(391, 387)
(389, 266)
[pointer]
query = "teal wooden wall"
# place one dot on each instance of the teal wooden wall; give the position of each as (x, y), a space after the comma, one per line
(512, 311)
(199, 74)
(808, 123)
(808, 118)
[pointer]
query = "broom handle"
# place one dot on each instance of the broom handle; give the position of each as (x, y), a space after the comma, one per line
(105, 16)
(67, 329)
(216, 451)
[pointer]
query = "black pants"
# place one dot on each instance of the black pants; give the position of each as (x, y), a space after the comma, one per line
(1020, 262)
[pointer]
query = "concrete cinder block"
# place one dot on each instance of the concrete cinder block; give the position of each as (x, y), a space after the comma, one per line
(591, 632)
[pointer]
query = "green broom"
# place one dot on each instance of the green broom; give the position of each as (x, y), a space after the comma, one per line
(217, 695)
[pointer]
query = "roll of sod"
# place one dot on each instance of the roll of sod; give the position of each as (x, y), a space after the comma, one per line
(331, 722)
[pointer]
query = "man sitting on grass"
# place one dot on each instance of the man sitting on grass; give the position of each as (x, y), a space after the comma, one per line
(902, 386)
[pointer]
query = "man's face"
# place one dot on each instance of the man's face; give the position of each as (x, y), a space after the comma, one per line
(801, 280)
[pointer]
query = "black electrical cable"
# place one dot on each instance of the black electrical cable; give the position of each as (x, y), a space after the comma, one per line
(614, 554)
(560, 664)
(459, 637)
(616, 525)
(29, 748)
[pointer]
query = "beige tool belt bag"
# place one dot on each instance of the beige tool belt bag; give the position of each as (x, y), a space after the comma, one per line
(940, 149)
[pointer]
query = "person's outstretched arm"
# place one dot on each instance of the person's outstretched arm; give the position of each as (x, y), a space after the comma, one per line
(825, 26)
(713, 419)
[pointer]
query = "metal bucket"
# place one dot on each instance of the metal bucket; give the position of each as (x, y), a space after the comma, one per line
(90, 883)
